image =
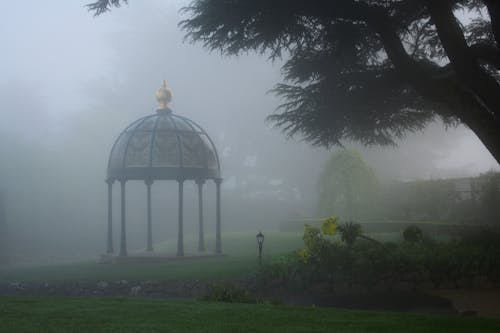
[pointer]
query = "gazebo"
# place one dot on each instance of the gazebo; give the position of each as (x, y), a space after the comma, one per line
(163, 146)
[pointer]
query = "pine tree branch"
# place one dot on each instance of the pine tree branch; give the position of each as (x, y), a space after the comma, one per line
(101, 6)
(487, 53)
(464, 63)
(493, 7)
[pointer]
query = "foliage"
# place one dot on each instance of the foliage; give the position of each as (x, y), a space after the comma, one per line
(367, 70)
(349, 232)
(228, 292)
(413, 234)
(472, 258)
(311, 236)
(329, 226)
(315, 239)
(421, 200)
(490, 197)
(102, 6)
(457, 200)
(347, 186)
(304, 255)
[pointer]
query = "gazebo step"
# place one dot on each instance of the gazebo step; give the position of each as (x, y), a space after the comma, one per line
(152, 257)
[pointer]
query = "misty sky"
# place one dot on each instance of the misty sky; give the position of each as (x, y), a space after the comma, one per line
(68, 61)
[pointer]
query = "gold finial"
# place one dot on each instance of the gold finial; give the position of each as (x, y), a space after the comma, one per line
(163, 95)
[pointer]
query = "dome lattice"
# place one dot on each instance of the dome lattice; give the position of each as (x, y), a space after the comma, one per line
(163, 146)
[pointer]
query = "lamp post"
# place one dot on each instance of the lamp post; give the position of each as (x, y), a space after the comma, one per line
(260, 241)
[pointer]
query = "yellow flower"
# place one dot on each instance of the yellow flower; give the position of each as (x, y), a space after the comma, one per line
(329, 226)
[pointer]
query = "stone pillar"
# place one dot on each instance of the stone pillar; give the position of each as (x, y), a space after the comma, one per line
(218, 246)
(110, 182)
(180, 234)
(149, 245)
(201, 236)
(123, 238)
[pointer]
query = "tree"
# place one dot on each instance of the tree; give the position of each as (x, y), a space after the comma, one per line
(366, 70)
(490, 197)
(347, 186)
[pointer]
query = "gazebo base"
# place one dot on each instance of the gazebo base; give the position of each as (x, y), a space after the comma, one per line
(153, 257)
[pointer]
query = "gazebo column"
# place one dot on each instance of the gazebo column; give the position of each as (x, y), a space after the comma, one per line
(218, 246)
(110, 182)
(149, 246)
(201, 236)
(180, 234)
(123, 238)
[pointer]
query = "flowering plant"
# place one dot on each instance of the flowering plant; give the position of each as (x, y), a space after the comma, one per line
(329, 226)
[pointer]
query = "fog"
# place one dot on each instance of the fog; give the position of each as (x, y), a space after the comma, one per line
(71, 83)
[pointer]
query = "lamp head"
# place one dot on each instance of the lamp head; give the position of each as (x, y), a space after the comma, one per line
(260, 238)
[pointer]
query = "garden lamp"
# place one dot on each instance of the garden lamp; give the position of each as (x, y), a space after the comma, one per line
(260, 241)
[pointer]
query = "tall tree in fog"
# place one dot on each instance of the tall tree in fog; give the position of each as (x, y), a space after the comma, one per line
(347, 186)
(367, 70)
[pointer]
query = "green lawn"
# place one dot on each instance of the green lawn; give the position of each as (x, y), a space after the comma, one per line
(241, 259)
(43, 314)
(86, 314)
(241, 244)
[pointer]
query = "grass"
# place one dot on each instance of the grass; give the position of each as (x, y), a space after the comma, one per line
(50, 314)
(241, 259)
(243, 244)
(87, 314)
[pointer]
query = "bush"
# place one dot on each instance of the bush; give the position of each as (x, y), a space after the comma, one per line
(228, 293)
(367, 264)
(413, 234)
(349, 232)
(281, 269)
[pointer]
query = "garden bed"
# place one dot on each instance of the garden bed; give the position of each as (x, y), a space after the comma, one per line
(399, 300)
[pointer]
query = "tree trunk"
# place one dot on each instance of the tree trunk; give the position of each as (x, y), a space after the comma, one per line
(471, 94)
(486, 128)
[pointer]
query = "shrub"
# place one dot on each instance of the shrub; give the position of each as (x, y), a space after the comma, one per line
(413, 234)
(280, 268)
(369, 264)
(349, 232)
(329, 226)
(228, 293)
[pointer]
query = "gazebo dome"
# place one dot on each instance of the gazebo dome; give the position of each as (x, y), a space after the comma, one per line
(163, 146)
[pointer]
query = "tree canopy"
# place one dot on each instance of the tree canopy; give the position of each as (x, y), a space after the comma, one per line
(347, 186)
(365, 70)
